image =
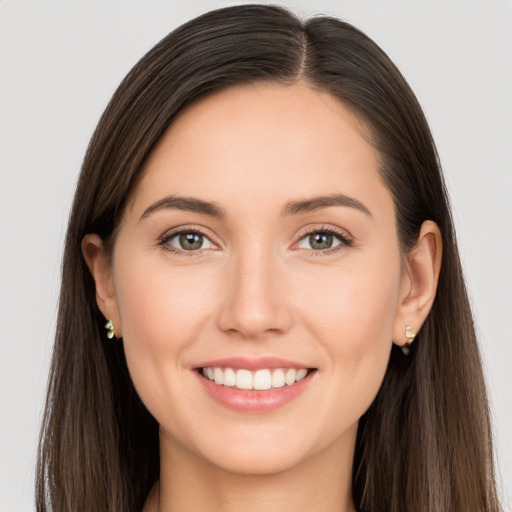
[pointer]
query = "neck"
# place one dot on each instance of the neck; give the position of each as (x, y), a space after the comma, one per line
(188, 483)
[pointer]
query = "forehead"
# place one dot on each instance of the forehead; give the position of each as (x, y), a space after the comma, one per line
(261, 142)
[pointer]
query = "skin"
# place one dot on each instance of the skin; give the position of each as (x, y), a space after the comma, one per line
(257, 287)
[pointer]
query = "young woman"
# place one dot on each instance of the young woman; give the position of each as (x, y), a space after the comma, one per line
(262, 303)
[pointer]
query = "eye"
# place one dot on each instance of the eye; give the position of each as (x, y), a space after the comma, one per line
(189, 241)
(323, 240)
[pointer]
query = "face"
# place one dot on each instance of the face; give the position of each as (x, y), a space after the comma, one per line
(259, 244)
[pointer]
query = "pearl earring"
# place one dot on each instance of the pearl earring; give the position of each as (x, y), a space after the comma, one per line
(111, 329)
(410, 338)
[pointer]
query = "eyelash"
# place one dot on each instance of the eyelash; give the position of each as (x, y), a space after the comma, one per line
(164, 240)
(343, 237)
(345, 240)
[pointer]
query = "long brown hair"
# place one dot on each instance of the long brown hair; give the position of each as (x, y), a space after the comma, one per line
(425, 442)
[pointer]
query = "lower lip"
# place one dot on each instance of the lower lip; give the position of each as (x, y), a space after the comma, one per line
(254, 401)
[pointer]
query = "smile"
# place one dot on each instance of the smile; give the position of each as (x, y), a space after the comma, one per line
(260, 380)
(254, 385)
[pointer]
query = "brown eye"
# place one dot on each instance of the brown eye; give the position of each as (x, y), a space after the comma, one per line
(321, 241)
(189, 241)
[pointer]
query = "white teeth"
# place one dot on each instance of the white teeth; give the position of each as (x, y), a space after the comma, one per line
(289, 378)
(229, 377)
(301, 374)
(278, 378)
(260, 380)
(243, 379)
(218, 376)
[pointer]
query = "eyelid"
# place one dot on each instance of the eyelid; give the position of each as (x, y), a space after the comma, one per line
(163, 239)
(344, 236)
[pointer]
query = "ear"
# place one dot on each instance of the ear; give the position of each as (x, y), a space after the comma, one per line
(100, 267)
(419, 282)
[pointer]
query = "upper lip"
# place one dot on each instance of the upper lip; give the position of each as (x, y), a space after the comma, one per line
(253, 364)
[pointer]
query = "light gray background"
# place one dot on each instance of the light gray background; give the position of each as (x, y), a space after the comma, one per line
(59, 63)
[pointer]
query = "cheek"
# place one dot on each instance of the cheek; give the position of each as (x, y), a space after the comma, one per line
(162, 311)
(353, 319)
(353, 305)
(160, 304)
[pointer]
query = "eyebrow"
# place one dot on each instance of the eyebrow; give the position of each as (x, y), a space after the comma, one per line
(317, 203)
(192, 204)
(187, 204)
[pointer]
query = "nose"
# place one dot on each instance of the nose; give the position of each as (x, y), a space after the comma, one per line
(254, 299)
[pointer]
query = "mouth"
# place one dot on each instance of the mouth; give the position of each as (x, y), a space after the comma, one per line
(259, 380)
(254, 386)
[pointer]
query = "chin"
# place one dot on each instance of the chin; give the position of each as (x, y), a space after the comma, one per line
(260, 463)
(267, 451)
